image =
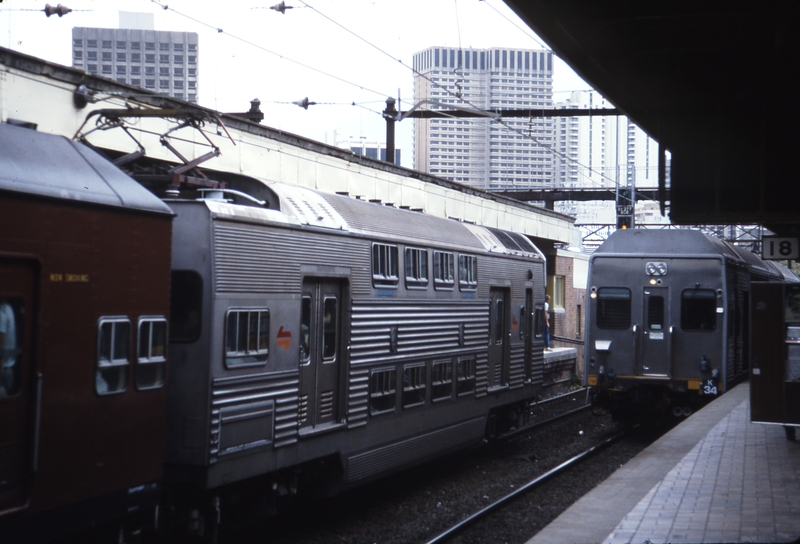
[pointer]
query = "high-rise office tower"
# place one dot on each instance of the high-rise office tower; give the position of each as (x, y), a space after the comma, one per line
(595, 152)
(135, 53)
(505, 153)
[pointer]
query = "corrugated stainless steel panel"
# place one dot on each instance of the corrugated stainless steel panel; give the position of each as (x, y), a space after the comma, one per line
(414, 449)
(242, 398)
(482, 374)
(286, 427)
(257, 259)
(509, 268)
(516, 374)
(358, 397)
(326, 404)
(425, 329)
(537, 367)
(302, 409)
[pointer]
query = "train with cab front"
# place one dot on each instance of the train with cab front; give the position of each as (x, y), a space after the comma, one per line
(668, 320)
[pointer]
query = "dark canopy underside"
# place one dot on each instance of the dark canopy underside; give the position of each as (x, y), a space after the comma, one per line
(715, 82)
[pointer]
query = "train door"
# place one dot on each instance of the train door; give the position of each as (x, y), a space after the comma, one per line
(320, 352)
(526, 329)
(656, 350)
(498, 337)
(16, 421)
(740, 331)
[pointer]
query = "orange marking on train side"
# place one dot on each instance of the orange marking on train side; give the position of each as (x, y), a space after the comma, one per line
(284, 339)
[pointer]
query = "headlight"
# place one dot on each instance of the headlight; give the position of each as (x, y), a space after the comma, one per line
(656, 269)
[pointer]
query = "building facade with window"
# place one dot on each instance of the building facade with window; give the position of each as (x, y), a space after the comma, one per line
(505, 153)
(598, 152)
(368, 148)
(159, 61)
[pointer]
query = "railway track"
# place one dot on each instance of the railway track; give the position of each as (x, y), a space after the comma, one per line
(449, 534)
(425, 501)
(552, 409)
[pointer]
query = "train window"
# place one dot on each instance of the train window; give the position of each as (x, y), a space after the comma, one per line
(441, 380)
(247, 337)
(416, 268)
(113, 352)
(384, 265)
(443, 273)
(467, 272)
(557, 290)
(414, 384)
(152, 355)
(186, 304)
(11, 330)
(305, 330)
(614, 308)
(466, 375)
(329, 328)
(699, 310)
(655, 313)
(382, 391)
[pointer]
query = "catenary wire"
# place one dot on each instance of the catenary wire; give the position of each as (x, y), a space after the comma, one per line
(434, 83)
(262, 48)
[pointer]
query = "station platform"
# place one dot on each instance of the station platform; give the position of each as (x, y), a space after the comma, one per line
(716, 477)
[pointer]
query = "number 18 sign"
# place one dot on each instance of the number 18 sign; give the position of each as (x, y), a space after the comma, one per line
(779, 249)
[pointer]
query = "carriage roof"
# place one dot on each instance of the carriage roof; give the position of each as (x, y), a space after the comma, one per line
(291, 204)
(687, 243)
(40, 164)
(664, 242)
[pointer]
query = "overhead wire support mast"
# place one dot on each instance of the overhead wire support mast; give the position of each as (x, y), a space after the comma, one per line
(392, 115)
(500, 113)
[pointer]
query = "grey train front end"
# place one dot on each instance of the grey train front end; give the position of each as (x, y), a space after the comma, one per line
(668, 323)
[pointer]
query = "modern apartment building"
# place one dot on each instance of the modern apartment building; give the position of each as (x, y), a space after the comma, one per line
(600, 152)
(504, 153)
(160, 61)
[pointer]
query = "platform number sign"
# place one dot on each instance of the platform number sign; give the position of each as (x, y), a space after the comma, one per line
(709, 387)
(779, 249)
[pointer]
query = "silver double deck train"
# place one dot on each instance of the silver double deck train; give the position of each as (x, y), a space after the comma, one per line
(668, 320)
(320, 341)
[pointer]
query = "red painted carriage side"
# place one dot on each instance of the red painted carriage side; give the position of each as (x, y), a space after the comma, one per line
(71, 455)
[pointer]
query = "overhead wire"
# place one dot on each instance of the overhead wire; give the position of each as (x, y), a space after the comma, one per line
(262, 48)
(379, 49)
(456, 95)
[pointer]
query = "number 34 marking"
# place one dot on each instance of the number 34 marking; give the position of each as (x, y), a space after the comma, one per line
(709, 387)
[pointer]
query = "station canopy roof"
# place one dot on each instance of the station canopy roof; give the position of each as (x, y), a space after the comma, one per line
(714, 82)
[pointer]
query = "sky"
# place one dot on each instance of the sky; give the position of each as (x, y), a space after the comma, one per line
(348, 56)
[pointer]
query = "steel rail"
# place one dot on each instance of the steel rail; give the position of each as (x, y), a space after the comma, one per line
(531, 426)
(452, 531)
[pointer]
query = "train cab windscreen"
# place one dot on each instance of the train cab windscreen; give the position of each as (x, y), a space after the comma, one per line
(614, 308)
(699, 310)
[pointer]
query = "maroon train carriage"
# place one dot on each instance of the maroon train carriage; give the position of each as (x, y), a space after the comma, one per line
(84, 301)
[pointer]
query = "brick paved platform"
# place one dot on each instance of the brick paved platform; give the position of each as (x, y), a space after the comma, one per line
(716, 477)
